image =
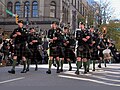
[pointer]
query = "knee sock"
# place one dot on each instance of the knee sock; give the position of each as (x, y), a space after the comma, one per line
(14, 64)
(50, 64)
(100, 62)
(24, 65)
(78, 65)
(85, 66)
(69, 62)
(58, 64)
(62, 62)
(28, 63)
(93, 64)
(88, 64)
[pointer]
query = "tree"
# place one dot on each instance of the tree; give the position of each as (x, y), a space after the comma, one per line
(106, 10)
(113, 32)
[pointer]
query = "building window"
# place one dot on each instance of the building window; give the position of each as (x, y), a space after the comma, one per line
(63, 15)
(35, 9)
(52, 9)
(83, 10)
(17, 9)
(10, 8)
(1, 9)
(67, 15)
(81, 7)
(72, 2)
(78, 5)
(27, 9)
(75, 4)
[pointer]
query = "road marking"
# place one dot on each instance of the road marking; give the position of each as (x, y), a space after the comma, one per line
(113, 76)
(102, 77)
(112, 72)
(85, 79)
(90, 75)
(11, 80)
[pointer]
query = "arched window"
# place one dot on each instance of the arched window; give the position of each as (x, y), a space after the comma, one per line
(27, 9)
(52, 9)
(35, 9)
(10, 8)
(17, 9)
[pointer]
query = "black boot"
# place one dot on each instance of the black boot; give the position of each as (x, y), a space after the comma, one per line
(13, 67)
(77, 72)
(48, 72)
(99, 66)
(36, 68)
(70, 69)
(23, 71)
(61, 70)
(58, 71)
(27, 69)
(87, 69)
(12, 71)
(85, 72)
(58, 65)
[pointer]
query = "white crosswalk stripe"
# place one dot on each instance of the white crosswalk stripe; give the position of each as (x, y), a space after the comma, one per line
(107, 76)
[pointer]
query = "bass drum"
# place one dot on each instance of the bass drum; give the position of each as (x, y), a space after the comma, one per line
(106, 54)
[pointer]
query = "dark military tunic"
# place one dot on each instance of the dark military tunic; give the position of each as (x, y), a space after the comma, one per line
(102, 45)
(33, 47)
(20, 42)
(54, 49)
(83, 47)
(94, 49)
(67, 45)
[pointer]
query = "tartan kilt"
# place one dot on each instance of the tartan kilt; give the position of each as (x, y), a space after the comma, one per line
(20, 50)
(61, 52)
(34, 54)
(94, 55)
(72, 47)
(54, 51)
(82, 52)
(68, 52)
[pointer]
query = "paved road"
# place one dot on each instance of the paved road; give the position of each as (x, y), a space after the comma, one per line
(105, 78)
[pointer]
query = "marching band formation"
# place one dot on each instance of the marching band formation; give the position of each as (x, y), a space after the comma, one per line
(85, 46)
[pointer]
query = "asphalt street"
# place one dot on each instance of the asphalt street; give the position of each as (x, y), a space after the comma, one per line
(104, 78)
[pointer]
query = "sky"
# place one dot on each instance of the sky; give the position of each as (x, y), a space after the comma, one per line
(116, 5)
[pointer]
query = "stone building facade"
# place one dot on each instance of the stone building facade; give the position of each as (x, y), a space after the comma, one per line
(40, 13)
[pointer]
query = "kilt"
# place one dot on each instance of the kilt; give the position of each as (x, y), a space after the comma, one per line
(82, 52)
(73, 48)
(54, 51)
(34, 54)
(61, 51)
(94, 55)
(20, 50)
(68, 52)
